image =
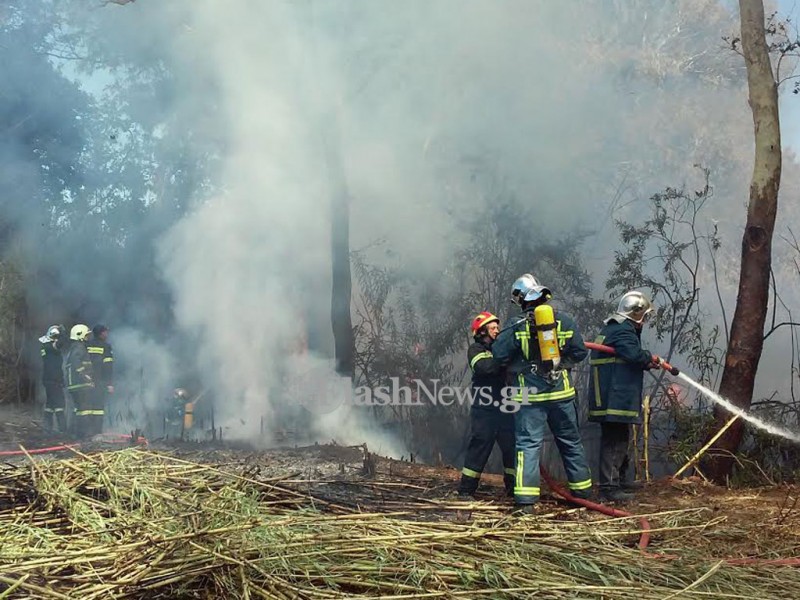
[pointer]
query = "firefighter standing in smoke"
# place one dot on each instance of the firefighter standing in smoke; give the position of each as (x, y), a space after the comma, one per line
(615, 395)
(53, 377)
(488, 423)
(102, 358)
(539, 350)
(80, 383)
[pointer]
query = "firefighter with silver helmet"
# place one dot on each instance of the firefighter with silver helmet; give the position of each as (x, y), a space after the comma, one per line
(540, 349)
(80, 383)
(615, 394)
(53, 376)
(488, 422)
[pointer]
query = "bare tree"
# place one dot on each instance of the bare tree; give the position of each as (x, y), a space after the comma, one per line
(747, 328)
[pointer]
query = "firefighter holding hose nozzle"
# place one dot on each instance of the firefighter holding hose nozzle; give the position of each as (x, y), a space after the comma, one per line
(615, 390)
(539, 350)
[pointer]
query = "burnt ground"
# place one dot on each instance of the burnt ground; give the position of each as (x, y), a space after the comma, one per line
(744, 522)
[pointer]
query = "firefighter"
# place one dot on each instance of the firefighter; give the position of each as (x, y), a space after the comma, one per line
(53, 377)
(80, 383)
(175, 418)
(102, 357)
(615, 395)
(540, 349)
(488, 424)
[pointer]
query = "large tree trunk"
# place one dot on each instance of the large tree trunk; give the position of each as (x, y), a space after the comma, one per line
(747, 328)
(341, 287)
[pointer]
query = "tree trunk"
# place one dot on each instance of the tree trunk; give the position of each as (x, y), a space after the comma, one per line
(341, 285)
(747, 329)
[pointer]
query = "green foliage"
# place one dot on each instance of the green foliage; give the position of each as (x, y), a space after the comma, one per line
(669, 254)
(12, 331)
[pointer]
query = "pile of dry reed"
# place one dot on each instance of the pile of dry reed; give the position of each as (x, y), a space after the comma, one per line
(137, 524)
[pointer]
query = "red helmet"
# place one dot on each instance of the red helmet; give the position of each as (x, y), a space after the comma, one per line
(482, 320)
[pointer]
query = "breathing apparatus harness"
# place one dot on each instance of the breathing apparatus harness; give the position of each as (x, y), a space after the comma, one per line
(544, 356)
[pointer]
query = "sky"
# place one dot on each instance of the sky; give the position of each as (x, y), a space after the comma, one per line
(790, 103)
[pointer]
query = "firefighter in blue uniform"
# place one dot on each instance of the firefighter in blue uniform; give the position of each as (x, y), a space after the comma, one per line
(53, 376)
(489, 422)
(80, 383)
(615, 392)
(102, 356)
(545, 391)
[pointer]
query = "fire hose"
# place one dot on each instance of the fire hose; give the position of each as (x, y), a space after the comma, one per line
(644, 538)
(108, 438)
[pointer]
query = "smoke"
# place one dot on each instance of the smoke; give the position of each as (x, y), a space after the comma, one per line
(146, 378)
(251, 115)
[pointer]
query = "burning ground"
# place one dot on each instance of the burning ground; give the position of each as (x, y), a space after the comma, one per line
(329, 521)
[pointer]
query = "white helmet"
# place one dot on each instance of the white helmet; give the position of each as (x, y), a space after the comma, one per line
(527, 289)
(79, 333)
(53, 333)
(634, 306)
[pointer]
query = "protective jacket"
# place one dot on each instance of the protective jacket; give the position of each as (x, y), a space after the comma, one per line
(52, 364)
(615, 390)
(488, 423)
(79, 367)
(102, 358)
(488, 376)
(517, 347)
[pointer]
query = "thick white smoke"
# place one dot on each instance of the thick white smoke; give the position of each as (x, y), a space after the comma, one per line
(572, 107)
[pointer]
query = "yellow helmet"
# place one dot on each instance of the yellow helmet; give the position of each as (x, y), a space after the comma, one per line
(79, 333)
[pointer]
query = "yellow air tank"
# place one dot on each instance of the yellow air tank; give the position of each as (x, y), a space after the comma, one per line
(547, 335)
(188, 416)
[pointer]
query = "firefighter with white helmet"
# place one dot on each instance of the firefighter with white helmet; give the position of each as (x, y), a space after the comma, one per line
(539, 350)
(488, 422)
(80, 383)
(52, 344)
(615, 396)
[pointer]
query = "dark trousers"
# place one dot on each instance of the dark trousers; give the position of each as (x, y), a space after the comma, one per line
(614, 460)
(54, 405)
(89, 411)
(488, 427)
(562, 418)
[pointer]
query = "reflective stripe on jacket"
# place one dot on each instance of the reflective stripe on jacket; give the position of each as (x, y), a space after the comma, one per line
(617, 381)
(102, 357)
(517, 347)
(79, 367)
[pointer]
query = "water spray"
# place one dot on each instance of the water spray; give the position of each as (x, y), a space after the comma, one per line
(732, 408)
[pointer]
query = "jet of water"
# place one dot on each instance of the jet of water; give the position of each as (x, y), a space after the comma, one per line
(773, 429)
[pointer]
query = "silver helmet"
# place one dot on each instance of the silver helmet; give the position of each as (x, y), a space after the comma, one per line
(53, 333)
(634, 306)
(521, 287)
(527, 289)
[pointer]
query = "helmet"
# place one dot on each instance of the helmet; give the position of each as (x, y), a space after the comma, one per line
(527, 289)
(98, 329)
(180, 393)
(53, 333)
(521, 287)
(634, 306)
(79, 333)
(482, 320)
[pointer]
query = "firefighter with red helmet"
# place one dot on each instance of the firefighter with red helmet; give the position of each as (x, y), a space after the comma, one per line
(489, 424)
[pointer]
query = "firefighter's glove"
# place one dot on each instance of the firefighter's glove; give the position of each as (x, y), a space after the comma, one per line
(655, 363)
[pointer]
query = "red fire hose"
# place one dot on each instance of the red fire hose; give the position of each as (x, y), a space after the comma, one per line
(108, 438)
(656, 359)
